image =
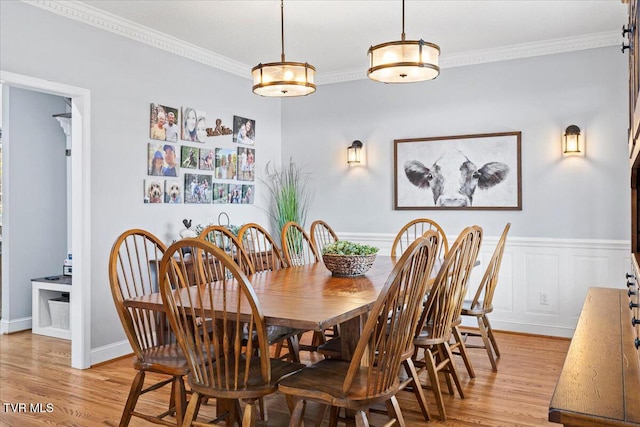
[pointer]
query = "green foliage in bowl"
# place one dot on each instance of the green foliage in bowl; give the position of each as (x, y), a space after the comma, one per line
(345, 247)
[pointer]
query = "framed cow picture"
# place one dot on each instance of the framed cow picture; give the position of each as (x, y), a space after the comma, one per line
(458, 172)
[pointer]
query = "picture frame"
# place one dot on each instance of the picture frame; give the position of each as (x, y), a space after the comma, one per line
(164, 123)
(464, 172)
(244, 130)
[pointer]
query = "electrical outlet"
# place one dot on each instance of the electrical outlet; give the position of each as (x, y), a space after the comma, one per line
(544, 298)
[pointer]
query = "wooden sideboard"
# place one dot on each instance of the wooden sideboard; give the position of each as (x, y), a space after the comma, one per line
(600, 382)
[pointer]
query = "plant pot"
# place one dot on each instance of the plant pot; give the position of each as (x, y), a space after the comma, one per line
(348, 265)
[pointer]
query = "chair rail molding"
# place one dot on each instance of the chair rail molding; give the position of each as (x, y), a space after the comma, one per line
(543, 281)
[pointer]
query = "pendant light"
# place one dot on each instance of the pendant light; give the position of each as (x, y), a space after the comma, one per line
(404, 61)
(283, 79)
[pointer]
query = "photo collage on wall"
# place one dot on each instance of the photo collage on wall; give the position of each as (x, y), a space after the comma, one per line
(184, 167)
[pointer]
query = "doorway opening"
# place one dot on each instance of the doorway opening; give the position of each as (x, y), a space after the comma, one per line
(80, 219)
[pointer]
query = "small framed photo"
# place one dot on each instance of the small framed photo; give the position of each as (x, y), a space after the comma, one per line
(235, 193)
(162, 160)
(207, 159)
(197, 188)
(247, 194)
(246, 164)
(220, 192)
(155, 160)
(225, 163)
(194, 125)
(172, 191)
(244, 130)
(171, 160)
(164, 123)
(189, 156)
(153, 190)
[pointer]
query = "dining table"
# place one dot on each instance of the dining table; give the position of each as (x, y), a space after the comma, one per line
(309, 297)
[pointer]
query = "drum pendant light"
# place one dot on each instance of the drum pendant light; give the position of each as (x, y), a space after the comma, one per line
(403, 61)
(283, 79)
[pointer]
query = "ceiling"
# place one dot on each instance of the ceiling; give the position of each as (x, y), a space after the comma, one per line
(334, 35)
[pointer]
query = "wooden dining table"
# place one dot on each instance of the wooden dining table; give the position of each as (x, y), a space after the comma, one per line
(309, 297)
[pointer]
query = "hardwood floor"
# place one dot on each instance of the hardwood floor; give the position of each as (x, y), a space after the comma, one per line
(35, 370)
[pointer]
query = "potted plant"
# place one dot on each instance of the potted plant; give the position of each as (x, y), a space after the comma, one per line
(345, 258)
(288, 194)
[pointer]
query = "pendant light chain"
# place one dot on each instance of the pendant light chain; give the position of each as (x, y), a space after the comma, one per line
(282, 28)
(403, 35)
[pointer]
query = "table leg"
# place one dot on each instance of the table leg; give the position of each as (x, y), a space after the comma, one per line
(349, 336)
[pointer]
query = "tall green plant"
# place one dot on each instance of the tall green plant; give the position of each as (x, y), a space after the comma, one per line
(289, 196)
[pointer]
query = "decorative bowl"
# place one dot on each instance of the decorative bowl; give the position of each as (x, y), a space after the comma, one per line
(348, 265)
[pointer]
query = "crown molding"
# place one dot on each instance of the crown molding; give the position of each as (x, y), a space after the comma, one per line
(524, 50)
(106, 21)
(97, 18)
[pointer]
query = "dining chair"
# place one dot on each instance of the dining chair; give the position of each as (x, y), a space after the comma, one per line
(371, 377)
(211, 319)
(321, 235)
(223, 238)
(482, 303)
(442, 307)
(458, 344)
(296, 245)
(299, 250)
(414, 229)
(265, 255)
(261, 248)
(133, 272)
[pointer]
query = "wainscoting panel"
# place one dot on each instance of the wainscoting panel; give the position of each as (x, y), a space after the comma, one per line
(543, 282)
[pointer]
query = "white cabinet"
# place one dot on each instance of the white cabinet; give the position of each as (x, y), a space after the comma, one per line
(50, 315)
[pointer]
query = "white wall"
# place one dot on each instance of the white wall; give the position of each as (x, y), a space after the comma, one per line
(578, 198)
(34, 198)
(124, 77)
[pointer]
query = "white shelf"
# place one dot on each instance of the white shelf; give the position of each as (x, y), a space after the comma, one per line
(42, 291)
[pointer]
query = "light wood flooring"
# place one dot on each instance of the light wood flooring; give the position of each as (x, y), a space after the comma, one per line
(35, 370)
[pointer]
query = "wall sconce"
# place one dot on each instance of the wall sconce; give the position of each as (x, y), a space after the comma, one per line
(354, 152)
(572, 143)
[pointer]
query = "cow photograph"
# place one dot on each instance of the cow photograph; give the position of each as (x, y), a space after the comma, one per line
(458, 172)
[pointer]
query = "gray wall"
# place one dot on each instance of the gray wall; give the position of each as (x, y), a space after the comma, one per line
(35, 199)
(574, 198)
(124, 77)
(570, 198)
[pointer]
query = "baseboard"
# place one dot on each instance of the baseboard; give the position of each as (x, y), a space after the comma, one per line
(17, 325)
(110, 352)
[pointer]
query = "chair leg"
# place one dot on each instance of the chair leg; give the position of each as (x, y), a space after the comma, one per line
(453, 373)
(297, 414)
(361, 419)
(417, 388)
(484, 334)
(463, 351)
(393, 409)
(294, 349)
(134, 394)
(430, 363)
(263, 410)
(491, 336)
(249, 415)
(333, 416)
(192, 409)
(179, 398)
(278, 351)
